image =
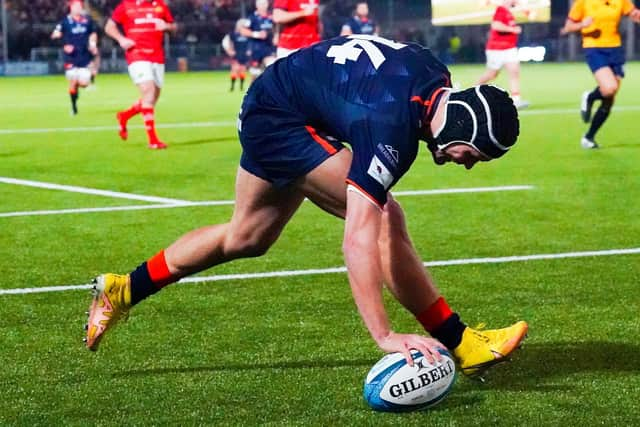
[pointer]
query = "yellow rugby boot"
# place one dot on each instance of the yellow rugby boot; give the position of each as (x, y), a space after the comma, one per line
(111, 302)
(479, 350)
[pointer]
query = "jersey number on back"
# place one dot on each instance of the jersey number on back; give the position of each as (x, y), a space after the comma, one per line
(352, 49)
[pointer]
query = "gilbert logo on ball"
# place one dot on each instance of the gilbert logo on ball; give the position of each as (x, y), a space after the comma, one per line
(392, 385)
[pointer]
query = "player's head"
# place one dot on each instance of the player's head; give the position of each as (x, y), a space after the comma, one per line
(241, 23)
(479, 123)
(262, 6)
(510, 3)
(362, 9)
(76, 7)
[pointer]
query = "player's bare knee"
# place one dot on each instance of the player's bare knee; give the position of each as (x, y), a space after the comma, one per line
(609, 90)
(247, 244)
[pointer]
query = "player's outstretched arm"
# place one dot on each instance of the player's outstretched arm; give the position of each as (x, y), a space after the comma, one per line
(571, 26)
(57, 33)
(93, 43)
(228, 46)
(504, 28)
(112, 30)
(281, 16)
(362, 256)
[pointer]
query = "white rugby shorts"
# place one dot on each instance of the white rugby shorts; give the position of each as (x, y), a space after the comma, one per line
(146, 71)
(81, 75)
(497, 58)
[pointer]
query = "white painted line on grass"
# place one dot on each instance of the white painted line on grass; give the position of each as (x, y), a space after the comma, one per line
(186, 204)
(556, 111)
(85, 190)
(115, 128)
(337, 270)
(530, 112)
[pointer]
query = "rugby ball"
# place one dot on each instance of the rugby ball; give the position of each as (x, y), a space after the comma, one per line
(394, 386)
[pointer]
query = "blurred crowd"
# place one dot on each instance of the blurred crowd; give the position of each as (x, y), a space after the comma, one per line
(199, 21)
(31, 21)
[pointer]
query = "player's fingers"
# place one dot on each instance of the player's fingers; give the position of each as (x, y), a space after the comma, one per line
(426, 352)
(407, 354)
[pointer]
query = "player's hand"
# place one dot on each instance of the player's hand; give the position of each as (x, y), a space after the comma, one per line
(308, 11)
(93, 50)
(586, 22)
(517, 29)
(635, 16)
(404, 343)
(126, 43)
(161, 25)
(262, 35)
(68, 48)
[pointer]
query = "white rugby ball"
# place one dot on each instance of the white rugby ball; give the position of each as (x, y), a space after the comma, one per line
(394, 386)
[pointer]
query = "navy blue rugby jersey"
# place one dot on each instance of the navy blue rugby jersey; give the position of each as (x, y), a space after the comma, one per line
(76, 32)
(259, 22)
(372, 93)
(361, 26)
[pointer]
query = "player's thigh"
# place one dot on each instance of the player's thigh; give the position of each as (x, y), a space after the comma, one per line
(261, 210)
(83, 76)
(608, 82)
(512, 68)
(494, 60)
(326, 185)
(158, 74)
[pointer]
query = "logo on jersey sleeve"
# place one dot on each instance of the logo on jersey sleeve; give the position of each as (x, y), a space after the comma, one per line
(379, 172)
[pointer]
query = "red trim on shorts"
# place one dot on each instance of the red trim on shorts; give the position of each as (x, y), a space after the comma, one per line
(320, 140)
(433, 99)
(365, 193)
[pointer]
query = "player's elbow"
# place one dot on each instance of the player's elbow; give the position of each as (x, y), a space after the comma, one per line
(109, 27)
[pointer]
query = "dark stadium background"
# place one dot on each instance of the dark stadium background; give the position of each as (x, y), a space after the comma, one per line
(203, 24)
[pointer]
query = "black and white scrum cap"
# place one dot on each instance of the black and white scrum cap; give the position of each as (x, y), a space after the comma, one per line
(483, 117)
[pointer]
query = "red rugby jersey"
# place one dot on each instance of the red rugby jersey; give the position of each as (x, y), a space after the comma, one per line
(498, 40)
(301, 32)
(138, 18)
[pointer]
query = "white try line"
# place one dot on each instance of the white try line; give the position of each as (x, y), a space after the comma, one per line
(339, 270)
(530, 112)
(186, 204)
(92, 191)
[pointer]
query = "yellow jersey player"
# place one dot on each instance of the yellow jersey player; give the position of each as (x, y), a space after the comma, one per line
(598, 22)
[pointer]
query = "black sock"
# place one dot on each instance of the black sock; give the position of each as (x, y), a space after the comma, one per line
(595, 95)
(450, 332)
(599, 117)
(74, 100)
(241, 84)
(141, 284)
(93, 79)
(233, 83)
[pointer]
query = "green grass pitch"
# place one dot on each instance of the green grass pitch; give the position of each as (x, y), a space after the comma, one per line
(292, 350)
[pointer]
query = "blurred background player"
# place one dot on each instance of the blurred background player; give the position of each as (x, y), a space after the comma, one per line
(598, 22)
(80, 43)
(360, 23)
(144, 23)
(299, 24)
(236, 46)
(260, 33)
(502, 50)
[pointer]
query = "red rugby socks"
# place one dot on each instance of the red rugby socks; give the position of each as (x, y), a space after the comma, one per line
(150, 277)
(442, 323)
